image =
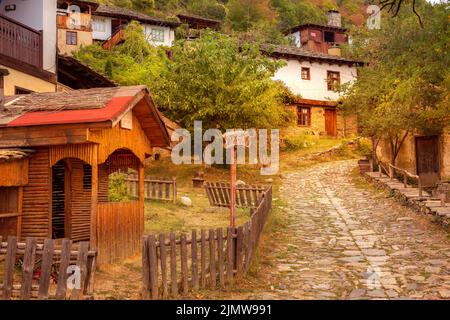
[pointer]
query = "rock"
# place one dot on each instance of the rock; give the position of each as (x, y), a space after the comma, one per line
(356, 293)
(240, 182)
(186, 201)
(445, 294)
(282, 286)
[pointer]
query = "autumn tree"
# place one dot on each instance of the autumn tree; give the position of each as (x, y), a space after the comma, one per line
(214, 79)
(404, 87)
(223, 83)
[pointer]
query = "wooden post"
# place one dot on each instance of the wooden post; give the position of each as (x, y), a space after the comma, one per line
(94, 198)
(141, 182)
(391, 173)
(174, 190)
(405, 181)
(233, 187)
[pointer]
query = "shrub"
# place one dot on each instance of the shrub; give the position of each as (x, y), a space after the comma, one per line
(298, 142)
(117, 187)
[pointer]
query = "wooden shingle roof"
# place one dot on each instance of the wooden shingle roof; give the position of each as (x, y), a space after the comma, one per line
(300, 53)
(128, 14)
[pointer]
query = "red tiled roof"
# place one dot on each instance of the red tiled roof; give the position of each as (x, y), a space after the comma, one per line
(78, 106)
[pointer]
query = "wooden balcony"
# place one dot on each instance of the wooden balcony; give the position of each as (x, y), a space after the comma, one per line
(79, 21)
(20, 42)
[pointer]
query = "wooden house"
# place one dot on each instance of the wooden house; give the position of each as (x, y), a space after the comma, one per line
(320, 38)
(57, 151)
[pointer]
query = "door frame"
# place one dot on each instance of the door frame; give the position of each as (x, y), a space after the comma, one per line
(438, 140)
(334, 112)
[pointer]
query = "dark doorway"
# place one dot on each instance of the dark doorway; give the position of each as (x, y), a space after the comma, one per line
(115, 26)
(427, 159)
(330, 122)
(329, 36)
(58, 200)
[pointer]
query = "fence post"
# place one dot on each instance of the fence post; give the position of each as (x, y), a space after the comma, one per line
(239, 251)
(405, 181)
(174, 183)
(391, 173)
(152, 257)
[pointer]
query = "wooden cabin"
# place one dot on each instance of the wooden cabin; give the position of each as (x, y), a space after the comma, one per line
(57, 151)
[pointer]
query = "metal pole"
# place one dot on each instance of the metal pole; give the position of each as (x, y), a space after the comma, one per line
(233, 186)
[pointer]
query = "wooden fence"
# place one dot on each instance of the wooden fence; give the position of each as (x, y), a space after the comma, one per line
(40, 271)
(211, 259)
(247, 196)
(120, 229)
(164, 189)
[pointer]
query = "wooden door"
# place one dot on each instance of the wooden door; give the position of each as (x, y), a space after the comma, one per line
(427, 159)
(330, 122)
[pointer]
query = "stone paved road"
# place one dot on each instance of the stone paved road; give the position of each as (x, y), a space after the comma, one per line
(350, 243)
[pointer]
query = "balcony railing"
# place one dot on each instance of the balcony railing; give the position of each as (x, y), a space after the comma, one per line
(77, 21)
(20, 42)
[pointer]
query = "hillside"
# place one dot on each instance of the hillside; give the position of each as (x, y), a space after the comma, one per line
(244, 15)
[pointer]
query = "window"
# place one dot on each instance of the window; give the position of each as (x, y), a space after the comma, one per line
(333, 80)
(99, 24)
(87, 177)
(329, 36)
(19, 90)
(71, 38)
(303, 116)
(8, 200)
(157, 35)
(306, 74)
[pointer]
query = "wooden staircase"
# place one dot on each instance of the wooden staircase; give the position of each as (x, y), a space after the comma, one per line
(117, 38)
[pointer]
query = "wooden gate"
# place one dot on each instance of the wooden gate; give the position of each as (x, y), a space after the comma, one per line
(330, 122)
(427, 159)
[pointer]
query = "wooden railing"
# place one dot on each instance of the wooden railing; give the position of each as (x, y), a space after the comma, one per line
(176, 265)
(247, 196)
(20, 42)
(391, 170)
(40, 271)
(119, 231)
(164, 189)
(115, 39)
(78, 21)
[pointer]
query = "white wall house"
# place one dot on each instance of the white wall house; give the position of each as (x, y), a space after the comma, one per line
(41, 16)
(106, 20)
(314, 87)
(315, 77)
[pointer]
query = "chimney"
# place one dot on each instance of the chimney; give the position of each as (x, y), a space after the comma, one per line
(334, 19)
(335, 50)
(3, 73)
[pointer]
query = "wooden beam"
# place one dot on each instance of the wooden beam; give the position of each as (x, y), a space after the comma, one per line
(141, 195)
(94, 200)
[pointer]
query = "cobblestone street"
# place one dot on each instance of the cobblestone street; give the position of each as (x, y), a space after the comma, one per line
(346, 242)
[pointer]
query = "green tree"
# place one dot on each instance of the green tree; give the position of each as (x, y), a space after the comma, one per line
(216, 80)
(404, 88)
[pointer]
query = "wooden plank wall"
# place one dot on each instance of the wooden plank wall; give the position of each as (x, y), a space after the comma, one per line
(37, 197)
(175, 265)
(14, 173)
(119, 231)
